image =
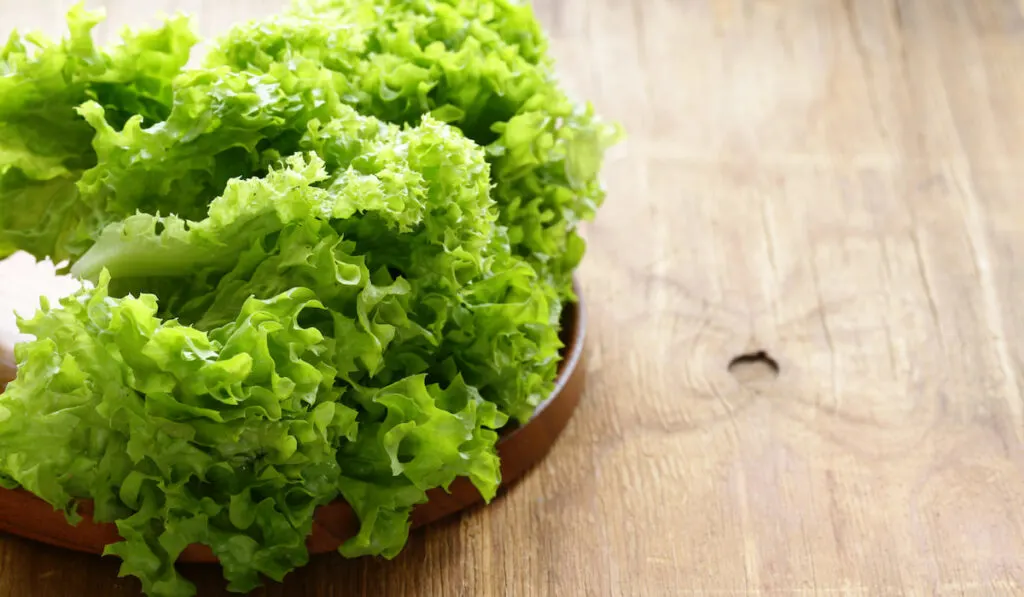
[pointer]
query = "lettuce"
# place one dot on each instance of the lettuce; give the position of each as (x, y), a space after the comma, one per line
(481, 65)
(328, 264)
(45, 146)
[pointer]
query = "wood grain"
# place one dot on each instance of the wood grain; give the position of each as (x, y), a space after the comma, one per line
(836, 183)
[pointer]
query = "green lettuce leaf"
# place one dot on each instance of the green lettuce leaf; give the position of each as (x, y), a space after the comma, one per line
(481, 65)
(328, 264)
(407, 202)
(419, 322)
(231, 437)
(222, 125)
(45, 146)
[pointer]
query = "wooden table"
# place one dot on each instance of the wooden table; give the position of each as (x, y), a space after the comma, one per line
(839, 184)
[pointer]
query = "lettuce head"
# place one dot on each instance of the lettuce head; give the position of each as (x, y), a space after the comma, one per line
(328, 263)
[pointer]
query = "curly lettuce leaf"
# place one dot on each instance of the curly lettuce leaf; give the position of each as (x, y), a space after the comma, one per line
(222, 125)
(481, 65)
(399, 202)
(229, 437)
(45, 146)
(428, 180)
(329, 264)
(393, 230)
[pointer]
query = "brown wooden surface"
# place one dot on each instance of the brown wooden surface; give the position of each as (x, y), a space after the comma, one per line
(837, 183)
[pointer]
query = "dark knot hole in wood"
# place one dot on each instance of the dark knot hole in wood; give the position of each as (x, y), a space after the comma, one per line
(754, 367)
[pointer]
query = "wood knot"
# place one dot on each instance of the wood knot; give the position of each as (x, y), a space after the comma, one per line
(754, 367)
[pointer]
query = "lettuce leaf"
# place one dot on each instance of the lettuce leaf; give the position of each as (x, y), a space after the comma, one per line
(222, 125)
(328, 264)
(481, 65)
(438, 233)
(45, 146)
(230, 437)
(357, 280)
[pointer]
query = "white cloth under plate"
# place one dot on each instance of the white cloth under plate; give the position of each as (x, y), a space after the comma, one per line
(22, 282)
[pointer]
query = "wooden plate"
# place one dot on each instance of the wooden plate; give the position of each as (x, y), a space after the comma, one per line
(24, 514)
